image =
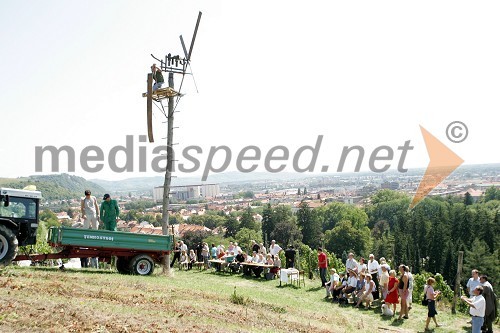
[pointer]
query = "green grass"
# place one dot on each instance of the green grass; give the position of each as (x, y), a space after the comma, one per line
(49, 300)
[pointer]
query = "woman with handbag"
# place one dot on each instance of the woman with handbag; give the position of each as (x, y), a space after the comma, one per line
(430, 295)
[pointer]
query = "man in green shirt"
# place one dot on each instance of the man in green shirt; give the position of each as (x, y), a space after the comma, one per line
(158, 77)
(109, 212)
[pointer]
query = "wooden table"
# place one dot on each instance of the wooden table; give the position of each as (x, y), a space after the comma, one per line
(290, 275)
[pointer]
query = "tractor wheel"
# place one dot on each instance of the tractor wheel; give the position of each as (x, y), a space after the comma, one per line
(142, 264)
(8, 245)
(123, 265)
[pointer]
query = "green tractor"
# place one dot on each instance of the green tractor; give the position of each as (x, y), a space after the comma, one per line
(18, 221)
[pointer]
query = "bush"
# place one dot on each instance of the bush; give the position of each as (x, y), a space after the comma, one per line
(420, 280)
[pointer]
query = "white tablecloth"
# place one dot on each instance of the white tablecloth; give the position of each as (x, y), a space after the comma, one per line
(286, 277)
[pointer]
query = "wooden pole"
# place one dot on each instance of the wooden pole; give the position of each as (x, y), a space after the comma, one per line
(168, 173)
(457, 282)
(149, 105)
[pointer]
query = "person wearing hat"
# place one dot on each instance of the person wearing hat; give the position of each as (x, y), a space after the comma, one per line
(352, 283)
(334, 280)
(157, 77)
(109, 212)
(290, 257)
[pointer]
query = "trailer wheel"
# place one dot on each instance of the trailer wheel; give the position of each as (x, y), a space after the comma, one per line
(142, 264)
(123, 265)
(8, 245)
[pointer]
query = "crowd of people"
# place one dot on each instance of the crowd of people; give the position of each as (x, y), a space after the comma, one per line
(257, 261)
(482, 302)
(366, 282)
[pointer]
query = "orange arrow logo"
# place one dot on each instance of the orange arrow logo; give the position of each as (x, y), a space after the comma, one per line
(442, 162)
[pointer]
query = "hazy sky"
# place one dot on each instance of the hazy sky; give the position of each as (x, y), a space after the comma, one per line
(268, 72)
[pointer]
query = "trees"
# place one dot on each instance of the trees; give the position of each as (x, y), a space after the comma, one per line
(335, 212)
(268, 223)
(193, 238)
(310, 225)
(346, 237)
(468, 199)
(232, 226)
(492, 193)
(247, 220)
(479, 256)
(286, 233)
(244, 236)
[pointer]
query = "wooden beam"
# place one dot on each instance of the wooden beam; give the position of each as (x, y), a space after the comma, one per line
(149, 105)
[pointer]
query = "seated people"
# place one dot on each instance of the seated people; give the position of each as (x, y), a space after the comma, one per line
(230, 248)
(359, 286)
(277, 262)
(236, 249)
(257, 270)
(367, 294)
(273, 270)
(192, 258)
(352, 282)
(269, 259)
(336, 291)
(247, 270)
(334, 280)
(184, 260)
(235, 265)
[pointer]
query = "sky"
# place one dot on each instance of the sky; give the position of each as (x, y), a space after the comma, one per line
(273, 73)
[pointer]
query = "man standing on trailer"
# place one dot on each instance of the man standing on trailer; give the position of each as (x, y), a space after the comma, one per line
(109, 212)
(90, 215)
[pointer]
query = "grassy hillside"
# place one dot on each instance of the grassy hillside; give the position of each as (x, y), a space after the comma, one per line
(49, 300)
(61, 186)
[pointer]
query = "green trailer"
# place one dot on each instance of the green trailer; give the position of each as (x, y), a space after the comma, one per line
(135, 253)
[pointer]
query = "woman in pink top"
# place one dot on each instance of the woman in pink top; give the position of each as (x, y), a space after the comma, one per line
(431, 296)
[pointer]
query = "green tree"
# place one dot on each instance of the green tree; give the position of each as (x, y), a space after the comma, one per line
(335, 212)
(468, 199)
(298, 191)
(193, 238)
(50, 218)
(247, 220)
(232, 226)
(244, 236)
(386, 196)
(310, 225)
(346, 237)
(268, 223)
(286, 233)
(492, 193)
(480, 257)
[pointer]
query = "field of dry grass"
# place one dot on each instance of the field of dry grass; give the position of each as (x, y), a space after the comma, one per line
(49, 300)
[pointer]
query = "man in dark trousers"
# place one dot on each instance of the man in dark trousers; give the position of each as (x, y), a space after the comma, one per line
(290, 257)
(322, 265)
(177, 254)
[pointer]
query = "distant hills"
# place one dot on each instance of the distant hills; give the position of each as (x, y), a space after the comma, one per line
(148, 183)
(61, 186)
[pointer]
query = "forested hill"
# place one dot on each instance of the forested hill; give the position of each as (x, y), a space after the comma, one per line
(61, 186)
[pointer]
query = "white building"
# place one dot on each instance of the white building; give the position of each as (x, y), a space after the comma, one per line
(188, 192)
